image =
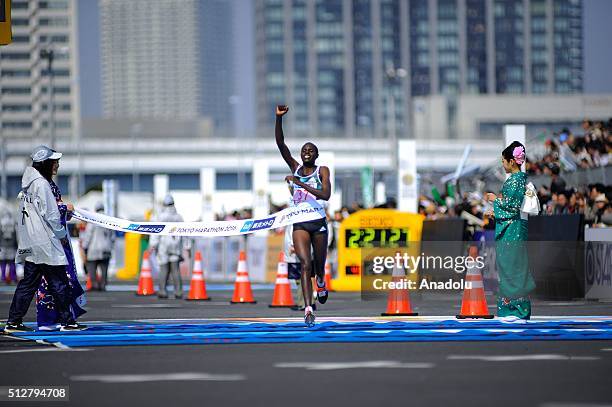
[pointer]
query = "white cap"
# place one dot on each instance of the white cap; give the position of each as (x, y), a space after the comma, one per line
(168, 200)
(43, 153)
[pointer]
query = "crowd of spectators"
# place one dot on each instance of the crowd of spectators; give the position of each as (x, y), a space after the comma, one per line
(568, 151)
(592, 201)
(565, 152)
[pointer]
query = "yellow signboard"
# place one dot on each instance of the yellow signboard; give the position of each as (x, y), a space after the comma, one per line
(372, 229)
(5, 22)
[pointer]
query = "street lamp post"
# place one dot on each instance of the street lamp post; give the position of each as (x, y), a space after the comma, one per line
(49, 55)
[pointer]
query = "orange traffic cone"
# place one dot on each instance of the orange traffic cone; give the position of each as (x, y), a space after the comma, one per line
(474, 304)
(398, 302)
(282, 290)
(242, 287)
(328, 276)
(145, 282)
(88, 284)
(197, 291)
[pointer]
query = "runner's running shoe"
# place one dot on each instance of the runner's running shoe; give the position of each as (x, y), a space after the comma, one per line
(322, 292)
(309, 317)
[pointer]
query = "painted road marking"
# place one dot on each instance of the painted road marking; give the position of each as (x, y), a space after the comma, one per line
(374, 364)
(534, 320)
(163, 377)
(358, 329)
(45, 349)
(145, 306)
(520, 358)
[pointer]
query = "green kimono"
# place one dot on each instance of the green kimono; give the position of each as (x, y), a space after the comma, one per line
(515, 281)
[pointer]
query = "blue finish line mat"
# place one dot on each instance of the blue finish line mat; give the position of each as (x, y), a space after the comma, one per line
(293, 330)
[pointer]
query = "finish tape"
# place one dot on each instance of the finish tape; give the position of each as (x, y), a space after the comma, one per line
(304, 212)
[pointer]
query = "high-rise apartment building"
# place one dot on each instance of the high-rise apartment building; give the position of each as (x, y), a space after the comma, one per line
(216, 66)
(35, 102)
(167, 59)
(150, 56)
(346, 65)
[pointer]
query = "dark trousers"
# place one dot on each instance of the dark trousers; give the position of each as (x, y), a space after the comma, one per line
(91, 266)
(165, 271)
(58, 287)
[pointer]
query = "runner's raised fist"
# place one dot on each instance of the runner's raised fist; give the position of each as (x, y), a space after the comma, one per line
(281, 110)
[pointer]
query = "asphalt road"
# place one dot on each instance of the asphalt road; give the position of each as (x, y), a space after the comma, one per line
(528, 373)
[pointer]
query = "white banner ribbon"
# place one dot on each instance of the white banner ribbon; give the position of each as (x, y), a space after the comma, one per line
(304, 212)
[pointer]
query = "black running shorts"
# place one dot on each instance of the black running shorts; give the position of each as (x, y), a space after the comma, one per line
(312, 226)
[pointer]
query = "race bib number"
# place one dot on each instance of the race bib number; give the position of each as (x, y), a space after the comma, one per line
(301, 195)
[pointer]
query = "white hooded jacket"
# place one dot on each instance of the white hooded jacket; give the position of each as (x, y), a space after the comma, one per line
(97, 242)
(39, 227)
(168, 248)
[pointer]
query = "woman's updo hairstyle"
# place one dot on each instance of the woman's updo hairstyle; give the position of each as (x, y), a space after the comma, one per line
(515, 151)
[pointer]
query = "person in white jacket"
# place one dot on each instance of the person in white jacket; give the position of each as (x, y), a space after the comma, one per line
(39, 237)
(169, 251)
(98, 243)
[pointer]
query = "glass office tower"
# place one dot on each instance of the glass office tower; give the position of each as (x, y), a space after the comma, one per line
(351, 67)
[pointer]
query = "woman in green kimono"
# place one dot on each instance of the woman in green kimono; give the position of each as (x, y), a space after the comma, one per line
(515, 281)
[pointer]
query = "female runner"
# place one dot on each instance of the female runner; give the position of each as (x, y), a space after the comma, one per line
(309, 182)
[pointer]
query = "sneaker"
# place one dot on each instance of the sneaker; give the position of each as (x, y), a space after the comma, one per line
(309, 317)
(11, 328)
(322, 292)
(178, 296)
(73, 327)
(162, 296)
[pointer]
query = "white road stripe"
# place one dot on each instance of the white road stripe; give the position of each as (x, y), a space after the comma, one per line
(163, 377)
(47, 349)
(145, 306)
(60, 345)
(516, 358)
(375, 364)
